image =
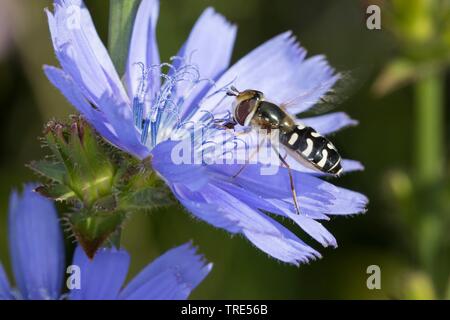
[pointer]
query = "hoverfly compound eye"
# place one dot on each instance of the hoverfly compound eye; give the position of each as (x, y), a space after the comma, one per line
(244, 111)
(245, 105)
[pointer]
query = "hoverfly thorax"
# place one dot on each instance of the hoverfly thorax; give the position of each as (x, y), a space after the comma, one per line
(245, 105)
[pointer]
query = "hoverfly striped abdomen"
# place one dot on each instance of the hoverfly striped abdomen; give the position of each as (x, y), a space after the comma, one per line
(313, 147)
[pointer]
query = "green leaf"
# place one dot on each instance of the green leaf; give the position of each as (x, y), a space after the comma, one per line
(121, 18)
(54, 171)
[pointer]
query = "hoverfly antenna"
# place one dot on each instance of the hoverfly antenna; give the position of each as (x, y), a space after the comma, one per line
(232, 91)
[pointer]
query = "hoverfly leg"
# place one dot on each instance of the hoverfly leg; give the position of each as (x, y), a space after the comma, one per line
(240, 170)
(229, 126)
(291, 179)
(255, 152)
(250, 158)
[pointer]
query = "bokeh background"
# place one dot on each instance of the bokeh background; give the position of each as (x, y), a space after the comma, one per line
(400, 94)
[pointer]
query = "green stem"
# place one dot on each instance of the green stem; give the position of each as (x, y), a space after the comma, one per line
(429, 96)
(121, 18)
(429, 129)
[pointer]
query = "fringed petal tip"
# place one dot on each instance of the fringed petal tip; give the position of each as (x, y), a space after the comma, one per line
(329, 123)
(351, 165)
(210, 11)
(316, 61)
(203, 264)
(173, 275)
(290, 249)
(291, 40)
(192, 251)
(297, 262)
(307, 260)
(359, 206)
(361, 202)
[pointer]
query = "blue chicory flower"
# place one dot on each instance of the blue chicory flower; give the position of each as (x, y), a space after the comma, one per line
(37, 254)
(143, 118)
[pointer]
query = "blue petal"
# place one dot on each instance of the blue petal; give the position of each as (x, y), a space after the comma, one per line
(36, 245)
(171, 276)
(314, 229)
(282, 244)
(270, 203)
(320, 78)
(206, 211)
(254, 200)
(305, 221)
(279, 69)
(314, 194)
(191, 175)
(329, 123)
(120, 119)
(102, 277)
(344, 201)
(70, 90)
(208, 48)
(144, 47)
(351, 165)
(110, 124)
(81, 52)
(236, 216)
(5, 289)
(91, 74)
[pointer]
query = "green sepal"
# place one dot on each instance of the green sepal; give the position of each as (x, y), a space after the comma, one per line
(80, 163)
(146, 199)
(54, 171)
(101, 183)
(57, 192)
(92, 229)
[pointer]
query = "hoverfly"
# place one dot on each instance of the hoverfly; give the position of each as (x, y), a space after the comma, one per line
(304, 143)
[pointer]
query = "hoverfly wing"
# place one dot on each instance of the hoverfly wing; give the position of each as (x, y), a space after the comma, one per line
(304, 100)
(344, 87)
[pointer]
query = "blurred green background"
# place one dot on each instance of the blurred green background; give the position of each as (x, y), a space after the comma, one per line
(406, 176)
